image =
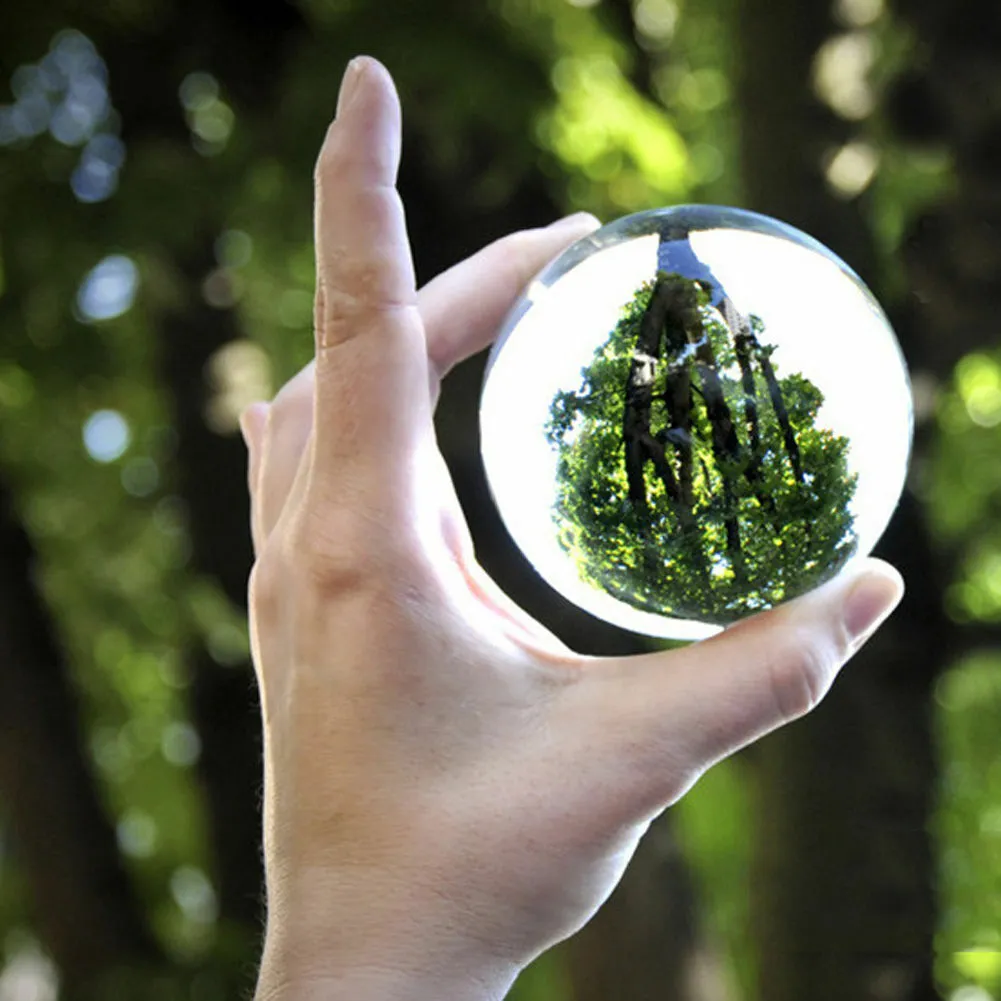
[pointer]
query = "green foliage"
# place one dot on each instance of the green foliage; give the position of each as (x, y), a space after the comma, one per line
(711, 824)
(496, 96)
(968, 700)
(962, 486)
(960, 483)
(793, 535)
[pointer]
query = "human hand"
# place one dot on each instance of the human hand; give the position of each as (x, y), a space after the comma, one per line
(449, 790)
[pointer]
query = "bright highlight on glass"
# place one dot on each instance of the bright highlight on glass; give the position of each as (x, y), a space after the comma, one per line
(692, 415)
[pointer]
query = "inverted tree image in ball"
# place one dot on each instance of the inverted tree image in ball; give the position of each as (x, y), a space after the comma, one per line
(692, 415)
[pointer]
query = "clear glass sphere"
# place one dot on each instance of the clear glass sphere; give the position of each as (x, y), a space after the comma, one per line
(694, 414)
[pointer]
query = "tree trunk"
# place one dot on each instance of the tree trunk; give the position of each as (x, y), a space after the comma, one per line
(645, 944)
(844, 873)
(86, 913)
(844, 870)
(952, 250)
(210, 469)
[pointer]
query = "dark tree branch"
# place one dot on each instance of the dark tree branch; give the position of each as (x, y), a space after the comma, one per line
(678, 400)
(740, 332)
(656, 453)
(781, 413)
(639, 394)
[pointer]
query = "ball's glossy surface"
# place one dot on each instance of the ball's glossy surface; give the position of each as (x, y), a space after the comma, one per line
(693, 414)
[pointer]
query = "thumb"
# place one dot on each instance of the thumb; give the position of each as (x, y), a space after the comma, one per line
(660, 720)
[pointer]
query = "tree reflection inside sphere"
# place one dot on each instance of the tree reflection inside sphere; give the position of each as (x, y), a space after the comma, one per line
(692, 415)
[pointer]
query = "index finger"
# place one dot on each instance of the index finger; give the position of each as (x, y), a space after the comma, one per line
(371, 359)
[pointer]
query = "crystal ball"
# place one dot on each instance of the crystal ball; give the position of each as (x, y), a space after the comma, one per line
(693, 414)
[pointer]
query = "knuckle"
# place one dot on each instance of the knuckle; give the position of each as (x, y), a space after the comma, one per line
(349, 553)
(800, 675)
(361, 288)
(265, 586)
(301, 575)
(365, 292)
(337, 559)
(334, 553)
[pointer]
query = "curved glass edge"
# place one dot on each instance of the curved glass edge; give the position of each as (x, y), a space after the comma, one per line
(677, 222)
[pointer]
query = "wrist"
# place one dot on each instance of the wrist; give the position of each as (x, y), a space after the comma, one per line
(377, 984)
(394, 975)
(328, 944)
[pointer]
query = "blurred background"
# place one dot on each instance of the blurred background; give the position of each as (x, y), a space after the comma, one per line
(156, 275)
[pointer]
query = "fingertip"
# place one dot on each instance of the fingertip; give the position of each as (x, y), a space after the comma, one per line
(583, 221)
(252, 421)
(870, 596)
(876, 566)
(367, 65)
(362, 72)
(464, 306)
(364, 137)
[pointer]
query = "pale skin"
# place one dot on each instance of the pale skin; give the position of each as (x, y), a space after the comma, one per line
(449, 789)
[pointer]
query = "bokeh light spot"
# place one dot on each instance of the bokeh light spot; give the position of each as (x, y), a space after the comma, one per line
(198, 90)
(978, 379)
(851, 169)
(180, 744)
(106, 435)
(841, 74)
(234, 248)
(28, 975)
(193, 893)
(109, 289)
(141, 476)
(137, 834)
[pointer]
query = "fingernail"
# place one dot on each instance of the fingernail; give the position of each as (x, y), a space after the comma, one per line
(871, 599)
(576, 221)
(349, 83)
